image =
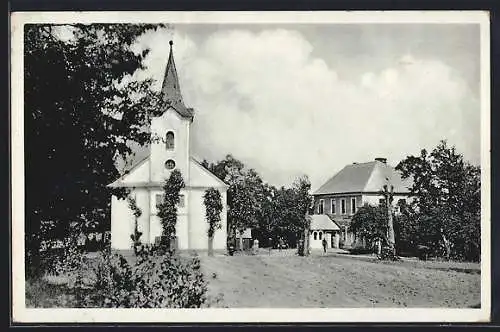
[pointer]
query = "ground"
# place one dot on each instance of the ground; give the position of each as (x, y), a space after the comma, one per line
(334, 280)
(283, 280)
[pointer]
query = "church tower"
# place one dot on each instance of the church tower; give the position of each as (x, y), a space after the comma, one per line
(170, 129)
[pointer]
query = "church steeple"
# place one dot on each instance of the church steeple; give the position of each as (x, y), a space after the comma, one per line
(171, 90)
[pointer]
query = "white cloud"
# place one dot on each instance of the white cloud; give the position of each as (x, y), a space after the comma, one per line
(264, 98)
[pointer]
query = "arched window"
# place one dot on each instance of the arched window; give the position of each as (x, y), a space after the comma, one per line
(320, 235)
(315, 235)
(169, 140)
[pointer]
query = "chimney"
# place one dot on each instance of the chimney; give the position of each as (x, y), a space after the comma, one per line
(382, 160)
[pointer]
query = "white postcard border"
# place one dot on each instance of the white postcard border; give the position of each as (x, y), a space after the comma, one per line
(23, 314)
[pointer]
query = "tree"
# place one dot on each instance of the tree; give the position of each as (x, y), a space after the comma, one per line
(213, 208)
(78, 119)
(447, 202)
(388, 194)
(298, 216)
(370, 223)
(167, 209)
(243, 195)
(253, 203)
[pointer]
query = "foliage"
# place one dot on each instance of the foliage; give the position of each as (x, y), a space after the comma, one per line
(156, 280)
(244, 194)
(167, 209)
(136, 211)
(370, 223)
(445, 214)
(80, 114)
(272, 212)
(213, 208)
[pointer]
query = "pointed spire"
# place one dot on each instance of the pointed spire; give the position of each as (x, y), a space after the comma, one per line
(171, 90)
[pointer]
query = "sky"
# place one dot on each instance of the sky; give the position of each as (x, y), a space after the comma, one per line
(290, 100)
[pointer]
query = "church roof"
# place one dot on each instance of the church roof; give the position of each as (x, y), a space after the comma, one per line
(171, 90)
(138, 176)
(365, 177)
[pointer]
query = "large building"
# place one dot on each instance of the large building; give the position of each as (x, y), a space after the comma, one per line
(355, 185)
(169, 149)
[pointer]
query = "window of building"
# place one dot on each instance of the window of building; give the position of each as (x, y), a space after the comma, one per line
(321, 206)
(315, 235)
(169, 140)
(320, 235)
(343, 208)
(333, 207)
(182, 201)
(353, 205)
(170, 164)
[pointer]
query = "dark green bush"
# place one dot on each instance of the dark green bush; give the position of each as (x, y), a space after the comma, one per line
(360, 251)
(158, 279)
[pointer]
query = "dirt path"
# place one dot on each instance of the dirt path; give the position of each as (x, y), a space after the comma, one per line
(330, 281)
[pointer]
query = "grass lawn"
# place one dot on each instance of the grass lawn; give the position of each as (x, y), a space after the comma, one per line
(335, 281)
(284, 280)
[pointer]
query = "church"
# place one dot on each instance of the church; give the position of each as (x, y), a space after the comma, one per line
(169, 150)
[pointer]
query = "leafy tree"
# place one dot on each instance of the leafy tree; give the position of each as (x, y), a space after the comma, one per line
(292, 206)
(167, 209)
(253, 203)
(243, 195)
(303, 203)
(213, 208)
(78, 118)
(370, 223)
(225, 167)
(446, 209)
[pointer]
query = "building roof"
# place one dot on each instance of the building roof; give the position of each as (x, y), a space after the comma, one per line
(365, 177)
(323, 222)
(138, 176)
(171, 90)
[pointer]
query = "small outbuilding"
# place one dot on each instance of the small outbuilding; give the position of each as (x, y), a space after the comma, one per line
(246, 239)
(322, 227)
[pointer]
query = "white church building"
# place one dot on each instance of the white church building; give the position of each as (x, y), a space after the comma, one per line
(169, 149)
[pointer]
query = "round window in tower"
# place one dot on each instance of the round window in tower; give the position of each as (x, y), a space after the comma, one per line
(170, 164)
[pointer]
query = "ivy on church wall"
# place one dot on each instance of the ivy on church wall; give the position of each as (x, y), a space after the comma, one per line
(167, 209)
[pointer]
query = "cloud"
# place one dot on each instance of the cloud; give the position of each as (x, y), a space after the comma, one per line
(263, 97)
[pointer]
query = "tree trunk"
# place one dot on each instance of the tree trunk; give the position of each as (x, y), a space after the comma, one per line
(390, 228)
(210, 246)
(241, 240)
(306, 242)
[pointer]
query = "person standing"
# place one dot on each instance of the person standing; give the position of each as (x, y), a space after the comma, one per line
(324, 245)
(255, 246)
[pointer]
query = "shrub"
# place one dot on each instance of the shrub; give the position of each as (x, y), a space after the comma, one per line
(158, 279)
(58, 261)
(360, 250)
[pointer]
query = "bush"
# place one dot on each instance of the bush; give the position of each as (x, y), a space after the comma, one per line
(158, 279)
(64, 260)
(360, 251)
